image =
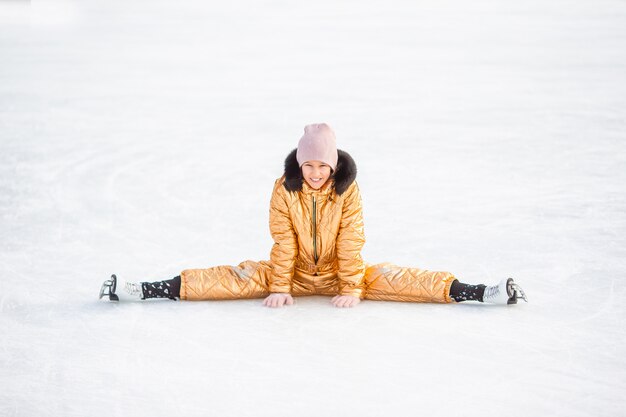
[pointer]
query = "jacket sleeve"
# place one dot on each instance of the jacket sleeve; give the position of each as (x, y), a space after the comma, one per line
(285, 248)
(350, 241)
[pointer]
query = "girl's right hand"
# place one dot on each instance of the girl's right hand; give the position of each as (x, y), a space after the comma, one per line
(278, 300)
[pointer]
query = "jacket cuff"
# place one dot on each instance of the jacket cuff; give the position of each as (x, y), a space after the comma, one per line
(279, 288)
(358, 293)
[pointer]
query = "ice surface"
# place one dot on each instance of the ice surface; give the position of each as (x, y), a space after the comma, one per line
(142, 138)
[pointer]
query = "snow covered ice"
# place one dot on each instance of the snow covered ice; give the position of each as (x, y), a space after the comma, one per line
(143, 138)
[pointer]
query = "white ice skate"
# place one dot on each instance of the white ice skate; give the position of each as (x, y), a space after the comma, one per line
(506, 292)
(130, 292)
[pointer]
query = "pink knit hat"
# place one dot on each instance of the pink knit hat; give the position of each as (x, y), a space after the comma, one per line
(318, 144)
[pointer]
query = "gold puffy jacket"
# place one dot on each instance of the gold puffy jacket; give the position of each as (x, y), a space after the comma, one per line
(316, 232)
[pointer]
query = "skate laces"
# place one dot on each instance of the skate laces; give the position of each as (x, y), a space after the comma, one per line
(491, 292)
(133, 289)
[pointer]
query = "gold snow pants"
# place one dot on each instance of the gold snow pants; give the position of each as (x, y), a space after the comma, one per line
(249, 279)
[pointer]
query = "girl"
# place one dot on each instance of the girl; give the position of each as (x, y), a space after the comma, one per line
(316, 223)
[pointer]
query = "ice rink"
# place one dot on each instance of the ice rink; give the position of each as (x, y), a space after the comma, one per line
(143, 138)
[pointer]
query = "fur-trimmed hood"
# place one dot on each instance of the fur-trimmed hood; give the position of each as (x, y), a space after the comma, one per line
(344, 175)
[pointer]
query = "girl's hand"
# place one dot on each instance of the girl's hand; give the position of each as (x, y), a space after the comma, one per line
(345, 301)
(278, 300)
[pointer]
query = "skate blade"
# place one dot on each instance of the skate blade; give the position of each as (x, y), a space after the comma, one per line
(515, 292)
(518, 293)
(108, 289)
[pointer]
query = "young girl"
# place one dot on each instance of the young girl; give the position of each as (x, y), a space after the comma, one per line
(316, 223)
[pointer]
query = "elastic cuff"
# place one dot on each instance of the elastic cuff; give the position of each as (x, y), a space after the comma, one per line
(183, 286)
(355, 293)
(446, 289)
(279, 289)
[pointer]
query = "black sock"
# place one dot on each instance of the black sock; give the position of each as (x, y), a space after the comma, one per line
(162, 289)
(466, 292)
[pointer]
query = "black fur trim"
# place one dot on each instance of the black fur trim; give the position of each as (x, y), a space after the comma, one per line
(343, 176)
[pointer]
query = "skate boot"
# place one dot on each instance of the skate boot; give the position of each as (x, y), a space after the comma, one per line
(130, 292)
(506, 292)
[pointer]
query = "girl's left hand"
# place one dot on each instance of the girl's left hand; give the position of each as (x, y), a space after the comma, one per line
(345, 301)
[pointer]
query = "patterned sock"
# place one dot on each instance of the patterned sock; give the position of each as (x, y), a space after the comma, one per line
(162, 289)
(466, 292)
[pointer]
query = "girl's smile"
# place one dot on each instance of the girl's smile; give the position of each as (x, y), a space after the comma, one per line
(316, 173)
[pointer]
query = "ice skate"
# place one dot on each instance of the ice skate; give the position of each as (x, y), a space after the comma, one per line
(130, 292)
(506, 292)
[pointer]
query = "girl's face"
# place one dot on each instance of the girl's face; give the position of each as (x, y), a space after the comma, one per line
(316, 173)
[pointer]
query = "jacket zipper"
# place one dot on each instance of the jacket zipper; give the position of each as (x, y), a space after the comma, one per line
(314, 230)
